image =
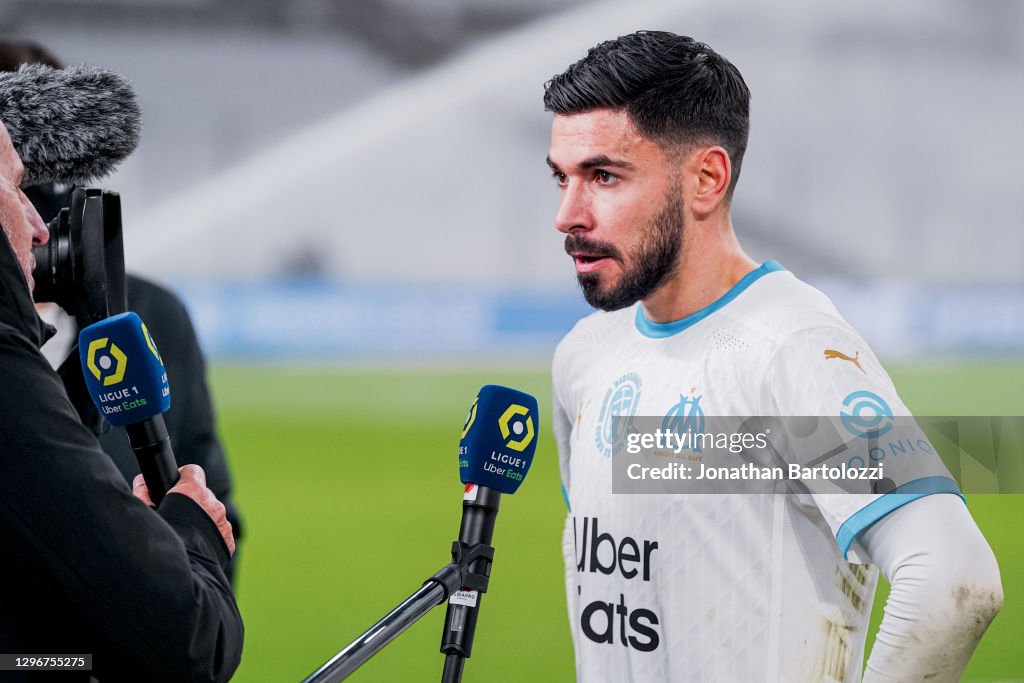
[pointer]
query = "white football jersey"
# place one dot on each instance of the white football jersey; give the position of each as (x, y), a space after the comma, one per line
(726, 587)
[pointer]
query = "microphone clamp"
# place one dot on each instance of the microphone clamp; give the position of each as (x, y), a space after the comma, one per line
(458, 576)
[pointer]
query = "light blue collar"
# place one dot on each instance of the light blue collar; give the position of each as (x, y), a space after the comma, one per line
(662, 330)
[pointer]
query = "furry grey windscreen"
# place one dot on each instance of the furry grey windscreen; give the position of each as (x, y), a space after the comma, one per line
(69, 125)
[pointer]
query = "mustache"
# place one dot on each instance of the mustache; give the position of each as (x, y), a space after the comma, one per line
(574, 242)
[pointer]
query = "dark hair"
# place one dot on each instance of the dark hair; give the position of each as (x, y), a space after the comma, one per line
(14, 53)
(676, 91)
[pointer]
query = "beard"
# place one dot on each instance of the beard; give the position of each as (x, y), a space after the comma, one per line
(647, 267)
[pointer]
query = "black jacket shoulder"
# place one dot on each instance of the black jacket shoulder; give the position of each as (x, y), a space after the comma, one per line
(87, 567)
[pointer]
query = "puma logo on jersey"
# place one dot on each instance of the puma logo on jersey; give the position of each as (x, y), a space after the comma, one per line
(832, 353)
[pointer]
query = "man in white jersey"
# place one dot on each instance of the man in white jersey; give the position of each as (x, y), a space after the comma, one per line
(648, 136)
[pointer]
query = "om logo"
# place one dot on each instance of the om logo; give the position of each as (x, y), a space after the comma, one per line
(686, 416)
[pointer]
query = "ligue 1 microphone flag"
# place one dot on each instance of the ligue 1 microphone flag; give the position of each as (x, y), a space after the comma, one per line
(123, 370)
(499, 438)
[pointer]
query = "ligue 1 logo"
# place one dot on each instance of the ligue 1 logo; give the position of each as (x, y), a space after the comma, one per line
(150, 343)
(107, 365)
(509, 425)
(470, 418)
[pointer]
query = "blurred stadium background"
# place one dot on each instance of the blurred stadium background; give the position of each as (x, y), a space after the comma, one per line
(352, 199)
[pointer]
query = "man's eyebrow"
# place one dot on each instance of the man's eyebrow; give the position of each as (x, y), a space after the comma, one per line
(602, 160)
(598, 161)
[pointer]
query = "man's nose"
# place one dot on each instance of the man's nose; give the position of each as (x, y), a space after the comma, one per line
(40, 233)
(574, 213)
(41, 236)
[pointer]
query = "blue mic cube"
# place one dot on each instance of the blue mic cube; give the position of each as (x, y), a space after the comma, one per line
(123, 370)
(499, 438)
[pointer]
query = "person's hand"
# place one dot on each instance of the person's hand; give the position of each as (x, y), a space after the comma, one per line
(193, 485)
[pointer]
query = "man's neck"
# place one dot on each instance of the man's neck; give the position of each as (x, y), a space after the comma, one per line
(709, 266)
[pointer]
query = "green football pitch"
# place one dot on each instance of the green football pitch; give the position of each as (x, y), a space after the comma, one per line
(348, 482)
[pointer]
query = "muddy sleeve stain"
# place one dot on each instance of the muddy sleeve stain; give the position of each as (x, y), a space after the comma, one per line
(937, 646)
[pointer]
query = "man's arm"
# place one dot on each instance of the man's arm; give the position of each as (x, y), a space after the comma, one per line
(151, 585)
(945, 581)
(945, 591)
(191, 421)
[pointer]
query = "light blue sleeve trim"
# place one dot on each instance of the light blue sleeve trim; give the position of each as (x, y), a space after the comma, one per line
(661, 330)
(859, 522)
(565, 497)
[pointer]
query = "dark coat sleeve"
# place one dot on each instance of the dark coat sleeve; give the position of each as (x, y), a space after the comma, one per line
(150, 586)
(190, 421)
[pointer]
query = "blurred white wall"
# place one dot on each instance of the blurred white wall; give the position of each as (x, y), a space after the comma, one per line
(885, 143)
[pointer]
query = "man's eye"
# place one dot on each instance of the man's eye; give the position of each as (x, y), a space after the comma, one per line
(559, 177)
(604, 177)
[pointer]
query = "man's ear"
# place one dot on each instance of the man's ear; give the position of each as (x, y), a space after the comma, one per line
(709, 171)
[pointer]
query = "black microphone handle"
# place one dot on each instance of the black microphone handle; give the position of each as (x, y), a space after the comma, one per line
(460, 620)
(152, 448)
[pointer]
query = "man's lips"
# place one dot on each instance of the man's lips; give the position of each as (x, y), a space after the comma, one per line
(589, 255)
(588, 262)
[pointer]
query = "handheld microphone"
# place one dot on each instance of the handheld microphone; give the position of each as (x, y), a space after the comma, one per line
(499, 439)
(69, 125)
(126, 379)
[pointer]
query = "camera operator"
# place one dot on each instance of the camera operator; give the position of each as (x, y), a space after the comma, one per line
(88, 567)
(190, 421)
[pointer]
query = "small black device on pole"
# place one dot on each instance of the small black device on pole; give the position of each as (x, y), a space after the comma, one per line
(479, 510)
(495, 453)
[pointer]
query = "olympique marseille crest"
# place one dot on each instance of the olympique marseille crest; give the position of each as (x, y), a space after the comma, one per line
(620, 400)
(686, 416)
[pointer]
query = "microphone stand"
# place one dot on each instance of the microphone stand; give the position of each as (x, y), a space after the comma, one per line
(469, 569)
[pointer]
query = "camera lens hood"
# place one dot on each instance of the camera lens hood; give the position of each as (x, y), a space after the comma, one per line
(81, 268)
